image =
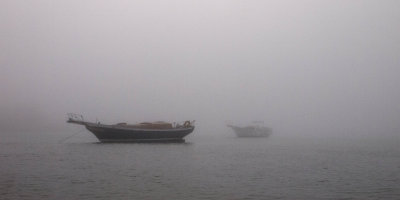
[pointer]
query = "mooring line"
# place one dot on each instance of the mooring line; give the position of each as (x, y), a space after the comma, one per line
(62, 140)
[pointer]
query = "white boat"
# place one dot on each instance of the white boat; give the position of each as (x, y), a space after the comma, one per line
(251, 131)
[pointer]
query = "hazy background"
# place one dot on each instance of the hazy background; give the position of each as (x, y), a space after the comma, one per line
(318, 68)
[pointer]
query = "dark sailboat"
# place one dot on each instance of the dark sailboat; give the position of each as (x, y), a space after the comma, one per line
(142, 132)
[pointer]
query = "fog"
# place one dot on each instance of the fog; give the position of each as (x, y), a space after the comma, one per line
(318, 68)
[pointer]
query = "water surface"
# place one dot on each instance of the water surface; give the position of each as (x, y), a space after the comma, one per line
(202, 168)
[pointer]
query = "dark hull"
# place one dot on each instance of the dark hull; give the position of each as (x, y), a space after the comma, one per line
(109, 133)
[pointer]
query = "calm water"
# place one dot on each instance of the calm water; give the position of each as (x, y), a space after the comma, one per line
(202, 168)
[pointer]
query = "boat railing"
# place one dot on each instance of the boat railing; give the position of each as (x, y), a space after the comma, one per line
(185, 124)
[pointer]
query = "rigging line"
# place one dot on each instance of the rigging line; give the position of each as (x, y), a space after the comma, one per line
(64, 139)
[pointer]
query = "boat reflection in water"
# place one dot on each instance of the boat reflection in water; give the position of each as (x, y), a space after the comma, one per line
(142, 132)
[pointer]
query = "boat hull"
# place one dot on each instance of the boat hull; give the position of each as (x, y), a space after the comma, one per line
(107, 133)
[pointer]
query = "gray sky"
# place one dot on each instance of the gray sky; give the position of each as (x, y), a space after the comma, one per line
(304, 67)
